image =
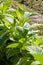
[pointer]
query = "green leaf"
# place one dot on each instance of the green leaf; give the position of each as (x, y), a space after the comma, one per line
(39, 58)
(12, 52)
(3, 38)
(6, 6)
(37, 53)
(21, 60)
(1, 6)
(35, 63)
(37, 41)
(13, 45)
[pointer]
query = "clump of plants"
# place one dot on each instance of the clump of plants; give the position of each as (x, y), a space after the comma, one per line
(20, 43)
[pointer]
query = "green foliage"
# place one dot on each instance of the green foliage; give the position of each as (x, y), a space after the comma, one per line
(20, 44)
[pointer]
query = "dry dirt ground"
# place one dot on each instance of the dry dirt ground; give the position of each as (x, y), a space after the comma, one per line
(37, 19)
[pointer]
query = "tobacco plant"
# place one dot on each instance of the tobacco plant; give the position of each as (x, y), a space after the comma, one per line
(20, 41)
